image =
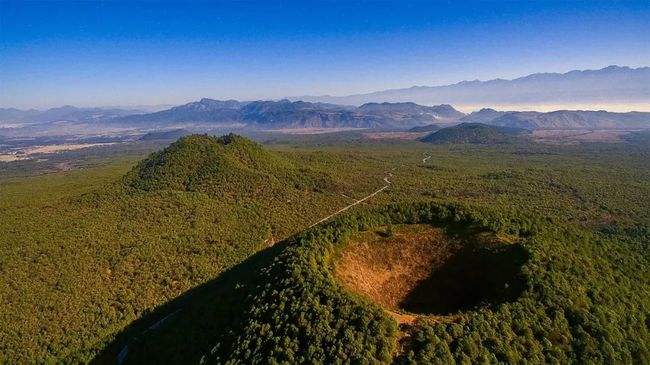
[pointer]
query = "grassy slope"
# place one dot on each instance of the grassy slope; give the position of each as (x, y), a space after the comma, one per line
(112, 260)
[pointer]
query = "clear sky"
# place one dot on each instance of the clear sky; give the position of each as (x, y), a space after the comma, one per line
(121, 53)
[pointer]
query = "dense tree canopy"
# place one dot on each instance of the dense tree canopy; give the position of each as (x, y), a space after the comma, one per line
(169, 258)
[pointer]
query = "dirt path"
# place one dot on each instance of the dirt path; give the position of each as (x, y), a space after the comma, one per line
(356, 202)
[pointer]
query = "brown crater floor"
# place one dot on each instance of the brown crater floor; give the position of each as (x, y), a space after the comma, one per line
(422, 270)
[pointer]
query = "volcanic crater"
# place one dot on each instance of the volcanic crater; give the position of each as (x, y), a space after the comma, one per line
(413, 270)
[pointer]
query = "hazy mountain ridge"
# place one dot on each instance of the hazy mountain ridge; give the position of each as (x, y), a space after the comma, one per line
(202, 111)
(561, 119)
(413, 111)
(65, 113)
(397, 108)
(609, 84)
(298, 114)
(285, 114)
(17, 115)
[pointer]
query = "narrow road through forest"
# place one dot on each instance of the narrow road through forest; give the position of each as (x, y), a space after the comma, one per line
(356, 202)
(366, 197)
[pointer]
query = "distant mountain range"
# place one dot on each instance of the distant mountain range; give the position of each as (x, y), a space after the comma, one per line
(285, 114)
(65, 113)
(613, 84)
(394, 109)
(298, 114)
(561, 119)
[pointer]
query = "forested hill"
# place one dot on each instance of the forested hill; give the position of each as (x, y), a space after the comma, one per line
(229, 165)
(476, 133)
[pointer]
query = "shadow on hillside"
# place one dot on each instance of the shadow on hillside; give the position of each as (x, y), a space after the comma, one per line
(186, 328)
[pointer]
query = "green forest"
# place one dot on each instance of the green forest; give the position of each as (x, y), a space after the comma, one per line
(203, 252)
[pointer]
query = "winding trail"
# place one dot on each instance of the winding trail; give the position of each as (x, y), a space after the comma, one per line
(426, 158)
(356, 202)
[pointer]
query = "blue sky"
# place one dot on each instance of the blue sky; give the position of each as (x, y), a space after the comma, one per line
(123, 53)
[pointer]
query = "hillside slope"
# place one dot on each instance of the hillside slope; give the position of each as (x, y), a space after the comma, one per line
(475, 133)
(229, 165)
